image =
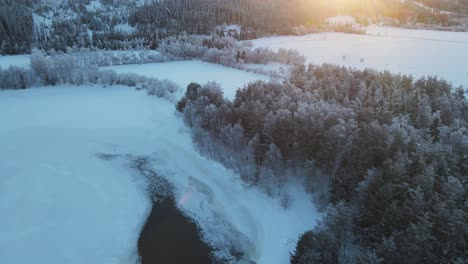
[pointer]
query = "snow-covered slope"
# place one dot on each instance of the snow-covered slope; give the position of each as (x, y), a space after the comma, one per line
(416, 52)
(61, 203)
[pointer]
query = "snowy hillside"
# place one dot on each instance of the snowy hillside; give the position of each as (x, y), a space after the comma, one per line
(129, 127)
(416, 52)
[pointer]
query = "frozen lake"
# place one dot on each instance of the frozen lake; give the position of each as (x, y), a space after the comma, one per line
(53, 183)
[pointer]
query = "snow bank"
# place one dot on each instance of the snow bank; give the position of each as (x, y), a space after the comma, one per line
(223, 207)
(416, 52)
(60, 203)
(185, 72)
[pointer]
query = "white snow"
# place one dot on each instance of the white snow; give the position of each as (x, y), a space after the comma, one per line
(185, 72)
(217, 196)
(40, 20)
(124, 28)
(267, 67)
(15, 60)
(406, 51)
(94, 6)
(428, 35)
(61, 204)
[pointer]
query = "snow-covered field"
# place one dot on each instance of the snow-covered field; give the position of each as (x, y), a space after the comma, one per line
(181, 72)
(16, 60)
(406, 51)
(61, 203)
(185, 72)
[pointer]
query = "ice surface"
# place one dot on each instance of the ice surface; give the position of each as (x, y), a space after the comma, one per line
(60, 203)
(406, 51)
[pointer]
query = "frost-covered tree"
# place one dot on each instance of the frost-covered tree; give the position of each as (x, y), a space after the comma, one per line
(387, 153)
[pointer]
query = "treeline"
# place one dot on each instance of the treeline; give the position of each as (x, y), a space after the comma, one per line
(64, 68)
(225, 51)
(448, 5)
(110, 57)
(388, 154)
(80, 66)
(257, 18)
(120, 25)
(79, 24)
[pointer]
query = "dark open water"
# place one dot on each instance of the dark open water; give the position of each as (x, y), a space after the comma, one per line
(169, 237)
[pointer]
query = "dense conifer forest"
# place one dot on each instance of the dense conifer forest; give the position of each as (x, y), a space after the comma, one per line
(386, 156)
(117, 24)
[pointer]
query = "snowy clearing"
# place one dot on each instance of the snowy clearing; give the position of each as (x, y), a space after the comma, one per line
(406, 51)
(15, 60)
(124, 28)
(271, 67)
(53, 184)
(185, 72)
(93, 6)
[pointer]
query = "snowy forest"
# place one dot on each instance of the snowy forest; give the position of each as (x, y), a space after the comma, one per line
(386, 156)
(382, 156)
(81, 66)
(117, 24)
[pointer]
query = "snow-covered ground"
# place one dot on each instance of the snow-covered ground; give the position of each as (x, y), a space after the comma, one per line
(61, 203)
(406, 51)
(267, 67)
(93, 6)
(40, 20)
(15, 60)
(124, 28)
(185, 72)
(429, 35)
